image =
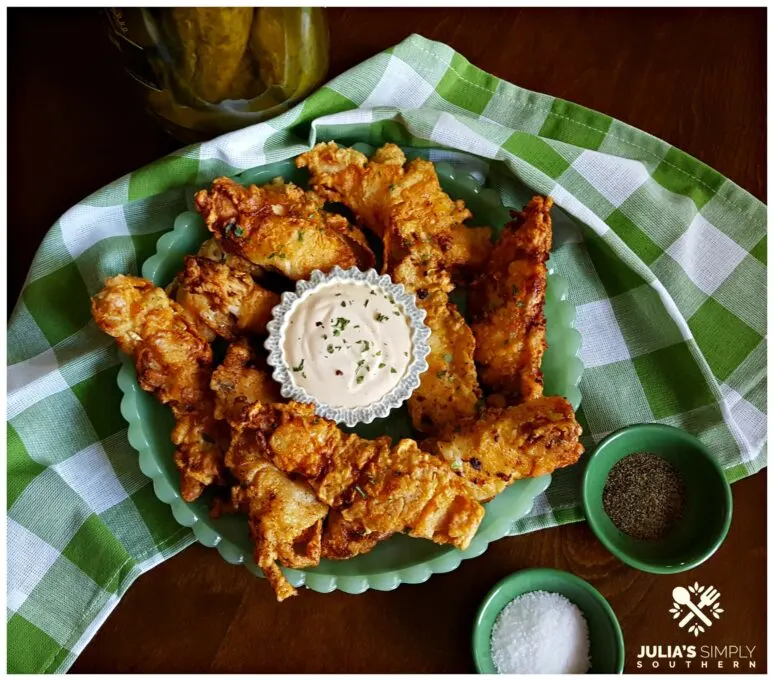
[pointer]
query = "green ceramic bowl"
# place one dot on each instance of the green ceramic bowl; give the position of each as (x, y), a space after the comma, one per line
(707, 516)
(605, 636)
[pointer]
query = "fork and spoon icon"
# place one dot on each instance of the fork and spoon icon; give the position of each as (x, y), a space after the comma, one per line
(682, 596)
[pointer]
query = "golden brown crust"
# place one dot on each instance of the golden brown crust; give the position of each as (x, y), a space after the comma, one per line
(407, 490)
(345, 175)
(174, 362)
(448, 391)
(284, 517)
(240, 381)
(401, 202)
(280, 227)
(378, 489)
(506, 301)
(504, 445)
(212, 250)
(172, 358)
(201, 442)
(225, 302)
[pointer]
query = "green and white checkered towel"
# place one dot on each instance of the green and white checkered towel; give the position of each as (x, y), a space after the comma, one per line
(665, 259)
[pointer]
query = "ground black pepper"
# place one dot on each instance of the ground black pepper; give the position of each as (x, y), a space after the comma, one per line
(644, 496)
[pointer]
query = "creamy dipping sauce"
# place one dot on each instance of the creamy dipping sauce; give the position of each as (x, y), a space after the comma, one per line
(347, 344)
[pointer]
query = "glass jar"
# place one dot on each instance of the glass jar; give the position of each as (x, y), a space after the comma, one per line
(204, 71)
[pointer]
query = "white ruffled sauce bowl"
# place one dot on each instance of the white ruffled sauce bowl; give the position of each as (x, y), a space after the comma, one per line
(352, 343)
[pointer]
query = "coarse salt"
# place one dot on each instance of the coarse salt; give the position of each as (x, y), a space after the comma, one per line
(540, 633)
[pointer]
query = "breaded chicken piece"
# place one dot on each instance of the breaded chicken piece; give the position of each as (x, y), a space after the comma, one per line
(212, 250)
(226, 302)
(345, 175)
(174, 362)
(401, 202)
(378, 489)
(423, 213)
(284, 516)
(448, 391)
(281, 227)
(506, 302)
(241, 380)
(201, 442)
(407, 491)
(172, 359)
(424, 237)
(504, 445)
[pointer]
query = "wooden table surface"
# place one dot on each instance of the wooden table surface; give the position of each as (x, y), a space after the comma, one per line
(694, 77)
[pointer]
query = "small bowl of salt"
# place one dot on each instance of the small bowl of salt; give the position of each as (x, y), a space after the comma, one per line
(545, 621)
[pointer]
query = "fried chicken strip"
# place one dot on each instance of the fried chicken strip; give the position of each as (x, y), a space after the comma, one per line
(377, 489)
(401, 202)
(240, 381)
(506, 302)
(284, 517)
(448, 391)
(281, 227)
(212, 250)
(226, 302)
(404, 491)
(174, 362)
(201, 442)
(424, 238)
(504, 445)
(345, 175)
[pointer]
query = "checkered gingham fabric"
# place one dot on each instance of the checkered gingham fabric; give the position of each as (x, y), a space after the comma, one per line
(666, 261)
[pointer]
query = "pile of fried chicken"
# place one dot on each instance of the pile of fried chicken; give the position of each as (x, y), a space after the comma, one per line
(310, 490)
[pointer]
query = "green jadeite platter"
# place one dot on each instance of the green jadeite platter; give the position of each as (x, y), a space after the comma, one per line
(400, 559)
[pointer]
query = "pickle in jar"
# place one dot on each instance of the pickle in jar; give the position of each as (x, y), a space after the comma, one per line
(213, 41)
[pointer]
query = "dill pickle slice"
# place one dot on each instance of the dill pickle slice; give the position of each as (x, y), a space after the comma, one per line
(212, 43)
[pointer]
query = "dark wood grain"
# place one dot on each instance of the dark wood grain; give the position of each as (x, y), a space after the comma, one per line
(694, 77)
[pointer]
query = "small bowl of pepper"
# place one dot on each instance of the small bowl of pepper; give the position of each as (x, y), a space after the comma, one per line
(656, 498)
